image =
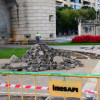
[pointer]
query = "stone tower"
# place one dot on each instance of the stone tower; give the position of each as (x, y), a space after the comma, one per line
(31, 16)
(4, 20)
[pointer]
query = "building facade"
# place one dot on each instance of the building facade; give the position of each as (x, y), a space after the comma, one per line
(88, 27)
(27, 17)
(5, 29)
(77, 4)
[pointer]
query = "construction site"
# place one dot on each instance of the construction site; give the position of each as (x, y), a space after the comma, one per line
(44, 72)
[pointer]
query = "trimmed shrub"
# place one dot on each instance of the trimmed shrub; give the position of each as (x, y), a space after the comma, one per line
(86, 39)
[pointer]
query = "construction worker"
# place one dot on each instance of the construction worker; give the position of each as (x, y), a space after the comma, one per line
(38, 38)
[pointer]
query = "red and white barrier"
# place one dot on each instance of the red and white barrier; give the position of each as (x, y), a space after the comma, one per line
(24, 86)
(91, 92)
(40, 88)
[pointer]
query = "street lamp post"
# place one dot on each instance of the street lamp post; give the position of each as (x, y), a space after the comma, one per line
(99, 10)
(96, 16)
(96, 11)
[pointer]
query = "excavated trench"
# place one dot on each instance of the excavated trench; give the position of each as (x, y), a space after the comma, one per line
(83, 55)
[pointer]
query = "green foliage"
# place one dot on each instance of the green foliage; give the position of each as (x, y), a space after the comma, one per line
(86, 7)
(88, 14)
(66, 17)
(58, 19)
(62, 8)
(7, 53)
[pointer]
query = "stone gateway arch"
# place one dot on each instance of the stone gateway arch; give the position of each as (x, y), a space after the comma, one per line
(24, 18)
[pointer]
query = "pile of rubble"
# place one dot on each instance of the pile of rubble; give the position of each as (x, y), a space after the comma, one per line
(42, 57)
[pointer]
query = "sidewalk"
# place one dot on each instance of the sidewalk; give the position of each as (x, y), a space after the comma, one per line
(83, 48)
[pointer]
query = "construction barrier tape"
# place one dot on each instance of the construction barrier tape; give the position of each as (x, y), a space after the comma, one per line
(24, 86)
(40, 88)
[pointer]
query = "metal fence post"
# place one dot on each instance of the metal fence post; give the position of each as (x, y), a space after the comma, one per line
(81, 85)
(97, 88)
(64, 80)
(18, 42)
(35, 87)
(49, 94)
(21, 87)
(22, 43)
(8, 88)
(3, 43)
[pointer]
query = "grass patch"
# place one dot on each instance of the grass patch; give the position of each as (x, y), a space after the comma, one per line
(71, 43)
(7, 53)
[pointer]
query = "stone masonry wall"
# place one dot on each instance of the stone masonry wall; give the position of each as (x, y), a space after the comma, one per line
(4, 20)
(32, 16)
(93, 30)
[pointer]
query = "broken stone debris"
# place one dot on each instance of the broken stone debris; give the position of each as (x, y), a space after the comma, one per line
(42, 57)
(83, 55)
(14, 59)
(83, 98)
